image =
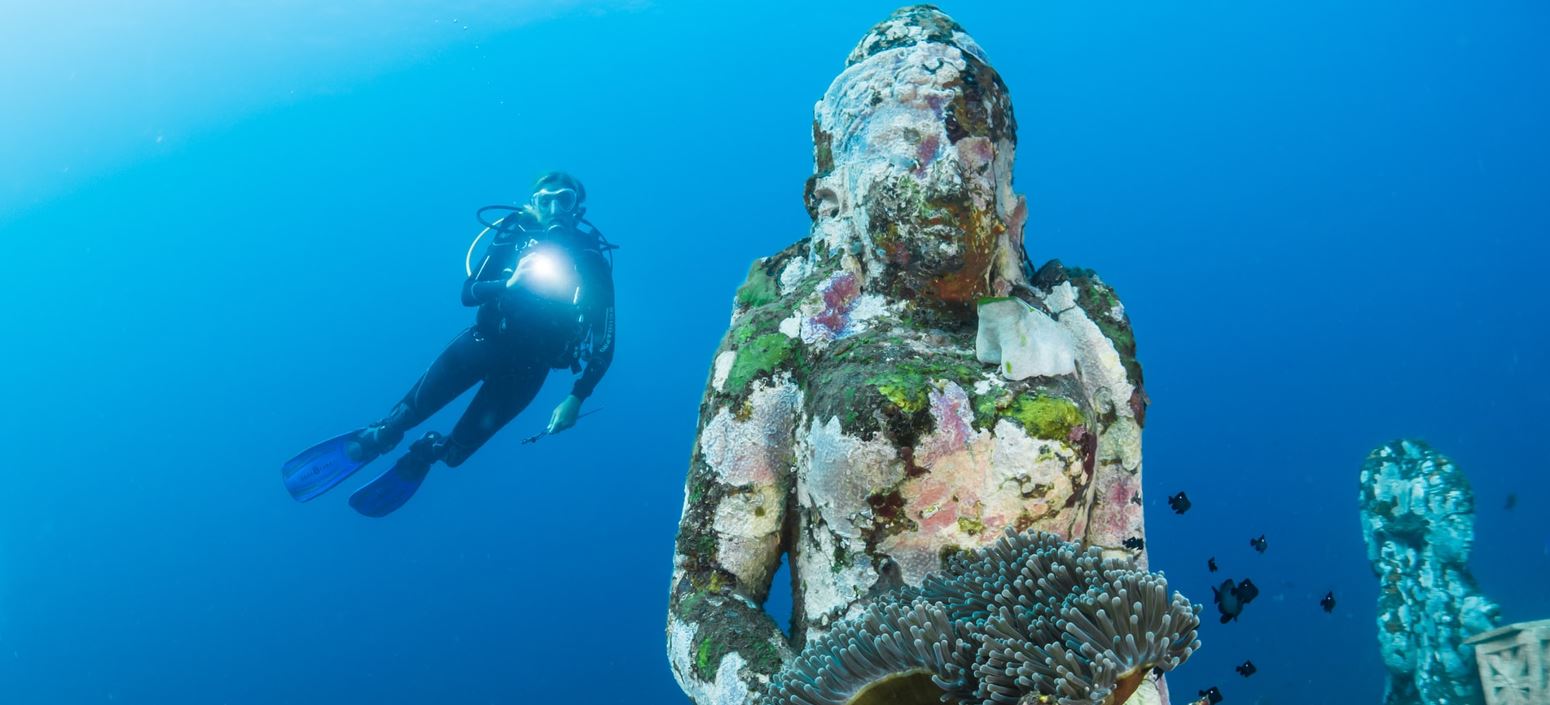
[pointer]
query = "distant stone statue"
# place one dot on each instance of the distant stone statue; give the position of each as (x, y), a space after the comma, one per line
(1418, 518)
(901, 385)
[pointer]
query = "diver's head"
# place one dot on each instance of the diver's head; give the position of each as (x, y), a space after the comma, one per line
(557, 198)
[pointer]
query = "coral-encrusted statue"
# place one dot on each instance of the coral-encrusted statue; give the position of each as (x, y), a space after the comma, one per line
(1418, 519)
(900, 385)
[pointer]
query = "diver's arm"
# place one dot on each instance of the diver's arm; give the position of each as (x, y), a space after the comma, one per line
(603, 339)
(477, 292)
(489, 279)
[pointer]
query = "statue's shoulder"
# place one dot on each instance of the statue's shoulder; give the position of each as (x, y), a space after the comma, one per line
(772, 278)
(774, 289)
(763, 340)
(1062, 288)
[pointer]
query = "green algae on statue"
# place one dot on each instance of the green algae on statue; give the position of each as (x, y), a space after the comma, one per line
(856, 418)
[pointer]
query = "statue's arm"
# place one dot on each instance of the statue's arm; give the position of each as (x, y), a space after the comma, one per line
(722, 645)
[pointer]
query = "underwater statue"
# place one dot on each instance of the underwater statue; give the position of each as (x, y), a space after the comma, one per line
(544, 296)
(901, 386)
(1418, 518)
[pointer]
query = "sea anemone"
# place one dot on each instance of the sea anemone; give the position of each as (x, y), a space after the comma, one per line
(1098, 648)
(1028, 619)
(894, 652)
(1031, 569)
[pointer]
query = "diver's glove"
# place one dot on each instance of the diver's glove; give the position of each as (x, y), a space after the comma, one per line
(564, 415)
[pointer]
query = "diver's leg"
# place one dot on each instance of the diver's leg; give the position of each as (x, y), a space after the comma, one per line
(452, 372)
(497, 402)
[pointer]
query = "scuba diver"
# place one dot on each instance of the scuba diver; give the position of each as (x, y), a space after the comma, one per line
(545, 298)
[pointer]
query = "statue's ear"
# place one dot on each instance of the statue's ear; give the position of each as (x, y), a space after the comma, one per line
(809, 196)
(821, 200)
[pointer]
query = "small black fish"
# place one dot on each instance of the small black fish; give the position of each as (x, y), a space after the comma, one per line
(1259, 544)
(1328, 603)
(1247, 669)
(1231, 598)
(1247, 591)
(1135, 543)
(1227, 602)
(1210, 695)
(1512, 501)
(1211, 563)
(1179, 503)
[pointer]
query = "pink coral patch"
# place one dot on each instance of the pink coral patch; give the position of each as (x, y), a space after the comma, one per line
(839, 297)
(1121, 492)
(925, 153)
(1117, 517)
(931, 494)
(934, 496)
(944, 517)
(950, 410)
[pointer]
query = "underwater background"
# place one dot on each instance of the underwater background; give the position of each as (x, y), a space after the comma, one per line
(231, 230)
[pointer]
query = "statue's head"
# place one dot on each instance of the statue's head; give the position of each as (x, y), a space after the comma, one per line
(913, 148)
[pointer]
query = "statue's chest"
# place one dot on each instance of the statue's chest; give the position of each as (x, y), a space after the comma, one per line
(907, 453)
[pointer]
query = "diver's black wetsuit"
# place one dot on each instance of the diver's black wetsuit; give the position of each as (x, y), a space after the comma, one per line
(520, 332)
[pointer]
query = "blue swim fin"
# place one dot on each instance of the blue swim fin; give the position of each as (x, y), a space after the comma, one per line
(393, 488)
(317, 469)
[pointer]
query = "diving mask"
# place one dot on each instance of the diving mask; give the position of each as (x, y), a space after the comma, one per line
(554, 201)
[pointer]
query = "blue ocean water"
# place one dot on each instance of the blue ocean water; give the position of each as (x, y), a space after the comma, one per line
(232, 230)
